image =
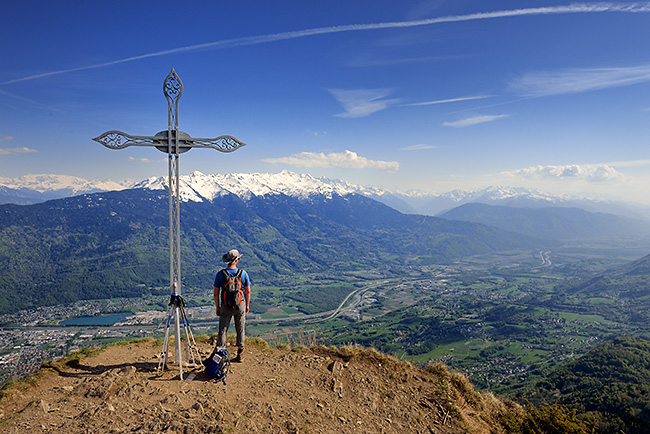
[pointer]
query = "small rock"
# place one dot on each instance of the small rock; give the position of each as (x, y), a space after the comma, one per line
(44, 406)
(334, 366)
(336, 386)
(198, 407)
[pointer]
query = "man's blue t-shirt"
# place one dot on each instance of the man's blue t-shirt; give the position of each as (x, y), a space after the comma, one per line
(245, 280)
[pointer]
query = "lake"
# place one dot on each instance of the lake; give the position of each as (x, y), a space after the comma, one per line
(97, 320)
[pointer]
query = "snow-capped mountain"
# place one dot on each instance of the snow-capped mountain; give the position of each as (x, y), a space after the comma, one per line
(518, 197)
(198, 187)
(39, 188)
(509, 196)
(73, 184)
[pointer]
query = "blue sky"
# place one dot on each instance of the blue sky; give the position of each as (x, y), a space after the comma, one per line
(428, 95)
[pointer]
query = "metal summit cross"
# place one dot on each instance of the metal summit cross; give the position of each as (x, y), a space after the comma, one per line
(173, 142)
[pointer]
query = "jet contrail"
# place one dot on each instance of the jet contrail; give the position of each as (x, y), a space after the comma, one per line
(445, 101)
(261, 39)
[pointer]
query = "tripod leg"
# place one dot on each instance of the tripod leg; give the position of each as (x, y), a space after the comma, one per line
(179, 357)
(162, 361)
(190, 344)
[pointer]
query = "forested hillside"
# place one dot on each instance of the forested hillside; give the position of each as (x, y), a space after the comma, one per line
(610, 382)
(115, 244)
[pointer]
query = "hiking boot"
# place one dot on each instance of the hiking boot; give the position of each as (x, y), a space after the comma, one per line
(239, 358)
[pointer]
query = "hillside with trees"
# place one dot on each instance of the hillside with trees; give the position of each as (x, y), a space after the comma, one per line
(611, 383)
(115, 244)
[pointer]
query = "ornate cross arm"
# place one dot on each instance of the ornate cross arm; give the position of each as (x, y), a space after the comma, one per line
(221, 143)
(119, 140)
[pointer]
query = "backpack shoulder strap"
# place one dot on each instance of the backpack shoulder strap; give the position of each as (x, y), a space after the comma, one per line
(238, 275)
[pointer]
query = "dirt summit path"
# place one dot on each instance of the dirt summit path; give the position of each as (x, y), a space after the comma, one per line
(317, 390)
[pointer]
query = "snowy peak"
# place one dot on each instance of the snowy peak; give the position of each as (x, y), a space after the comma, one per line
(51, 183)
(198, 186)
(499, 193)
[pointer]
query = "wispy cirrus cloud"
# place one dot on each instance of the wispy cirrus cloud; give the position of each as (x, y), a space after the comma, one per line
(26, 101)
(359, 103)
(587, 172)
(22, 150)
(418, 147)
(11, 151)
(347, 159)
(474, 120)
(546, 83)
(580, 8)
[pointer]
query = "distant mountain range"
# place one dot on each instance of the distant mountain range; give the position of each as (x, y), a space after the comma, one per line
(30, 189)
(39, 188)
(555, 223)
(114, 244)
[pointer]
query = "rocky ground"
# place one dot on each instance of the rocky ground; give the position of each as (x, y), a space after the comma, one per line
(275, 390)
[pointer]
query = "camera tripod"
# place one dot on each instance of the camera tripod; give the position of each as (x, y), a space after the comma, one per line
(177, 312)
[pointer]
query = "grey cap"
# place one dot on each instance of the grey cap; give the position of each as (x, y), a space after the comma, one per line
(231, 256)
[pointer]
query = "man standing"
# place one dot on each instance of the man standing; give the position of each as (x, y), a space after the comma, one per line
(232, 296)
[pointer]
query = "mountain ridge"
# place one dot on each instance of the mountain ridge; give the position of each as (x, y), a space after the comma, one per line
(38, 188)
(560, 223)
(115, 244)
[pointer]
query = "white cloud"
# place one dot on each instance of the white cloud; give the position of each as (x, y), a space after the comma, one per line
(418, 147)
(588, 172)
(359, 103)
(10, 151)
(474, 121)
(6, 139)
(544, 83)
(347, 159)
(140, 160)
